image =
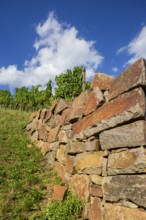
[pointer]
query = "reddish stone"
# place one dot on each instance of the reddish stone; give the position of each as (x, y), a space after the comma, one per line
(54, 121)
(132, 104)
(59, 192)
(60, 170)
(133, 76)
(47, 116)
(42, 132)
(95, 212)
(96, 191)
(63, 119)
(61, 105)
(80, 184)
(52, 135)
(94, 100)
(78, 106)
(53, 106)
(102, 81)
(43, 113)
(69, 164)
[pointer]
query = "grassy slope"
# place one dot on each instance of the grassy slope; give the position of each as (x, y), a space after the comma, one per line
(22, 169)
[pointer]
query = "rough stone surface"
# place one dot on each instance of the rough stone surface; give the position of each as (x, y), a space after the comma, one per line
(92, 145)
(78, 106)
(96, 191)
(130, 187)
(131, 135)
(76, 147)
(61, 105)
(52, 136)
(50, 157)
(95, 212)
(47, 116)
(133, 76)
(43, 113)
(63, 119)
(42, 132)
(102, 81)
(122, 109)
(63, 137)
(45, 148)
(129, 161)
(89, 163)
(96, 179)
(61, 154)
(80, 184)
(95, 98)
(116, 212)
(59, 192)
(60, 170)
(54, 146)
(69, 163)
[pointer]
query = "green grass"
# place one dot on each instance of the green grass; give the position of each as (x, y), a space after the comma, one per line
(23, 172)
(24, 176)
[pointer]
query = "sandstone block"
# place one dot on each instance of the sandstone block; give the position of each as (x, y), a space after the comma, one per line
(116, 212)
(89, 163)
(131, 135)
(63, 137)
(42, 132)
(43, 113)
(96, 191)
(125, 107)
(52, 135)
(38, 114)
(50, 157)
(95, 212)
(133, 76)
(80, 184)
(78, 106)
(69, 164)
(60, 170)
(47, 115)
(54, 146)
(59, 192)
(61, 105)
(96, 179)
(129, 161)
(92, 145)
(54, 121)
(76, 147)
(95, 98)
(63, 119)
(34, 136)
(102, 81)
(61, 154)
(129, 187)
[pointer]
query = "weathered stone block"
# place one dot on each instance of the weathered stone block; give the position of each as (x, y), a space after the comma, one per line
(43, 113)
(102, 81)
(95, 212)
(96, 191)
(63, 137)
(96, 179)
(54, 146)
(129, 187)
(52, 135)
(42, 132)
(50, 157)
(59, 192)
(95, 98)
(60, 170)
(116, 212)
(128, 106)
(47, 116)
(76, 147)
(131, 135)
(61, 105)
(92, 145)
(129, 161)
(61, 154)
(69, 164)
(133, 76)
(80, 184)
(89, 163)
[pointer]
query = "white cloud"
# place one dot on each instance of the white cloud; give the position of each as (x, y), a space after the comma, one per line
(136, 47)
(115, 69)
(58, 48)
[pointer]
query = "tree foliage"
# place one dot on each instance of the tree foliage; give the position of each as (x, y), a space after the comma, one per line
(68, 86)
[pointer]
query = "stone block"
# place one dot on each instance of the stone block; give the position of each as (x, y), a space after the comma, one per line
(102, 81)
(96, 191)
(75, 147)
(128, 187)
(92, 145)
(63, 137)
(59, 192)
(52, 135)
(61, 154)
(96, 179)
(42, 132)
(129, 161)
(61, 105)
(117, 212)
(130, 105)
(89, 163)
(132, 77)
(80, 185)
(50, 157)
(69, 164)
(95, 212)
(130, 135)
(60, 170)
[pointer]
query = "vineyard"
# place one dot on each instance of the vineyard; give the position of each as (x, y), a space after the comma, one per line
(68, 86)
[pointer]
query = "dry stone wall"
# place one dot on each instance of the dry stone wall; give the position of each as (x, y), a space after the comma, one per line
(97, 144)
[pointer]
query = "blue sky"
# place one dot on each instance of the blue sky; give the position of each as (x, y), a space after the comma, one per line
(39, 39)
